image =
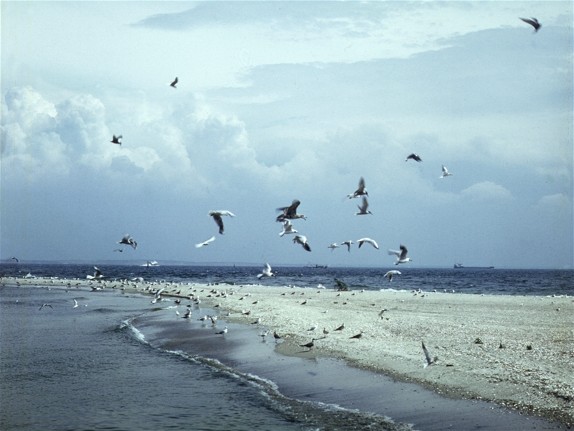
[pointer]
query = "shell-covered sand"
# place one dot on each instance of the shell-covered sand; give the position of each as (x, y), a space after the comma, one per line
(517, 351)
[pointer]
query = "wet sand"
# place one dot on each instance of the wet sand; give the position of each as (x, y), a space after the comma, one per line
(516, 351)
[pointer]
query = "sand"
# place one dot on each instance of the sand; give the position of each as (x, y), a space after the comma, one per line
(516, 351)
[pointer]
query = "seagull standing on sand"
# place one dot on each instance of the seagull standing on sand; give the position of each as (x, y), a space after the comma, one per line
(128, 240)
(390, 274)
(267, 272)
(290, 212)
(75, 304)
(217, 218)
(414, 157)
(364, 207)
(309, 345)
(174, 83)
(287, 228)
(401, 255)
(301, 239)
(445, 172)
(369, 241)
(116, 140)
(533, 22)
(361, 190)
(205, 243)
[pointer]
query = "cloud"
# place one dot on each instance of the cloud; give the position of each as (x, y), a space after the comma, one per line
(486, 191)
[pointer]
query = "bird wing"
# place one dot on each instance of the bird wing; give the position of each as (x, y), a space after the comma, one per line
(218, 220)
(361, 187)
(427, 354)
(403, 253)
(395, 252)
(292, 209)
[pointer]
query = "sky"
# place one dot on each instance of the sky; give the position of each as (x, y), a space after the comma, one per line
(279, 101)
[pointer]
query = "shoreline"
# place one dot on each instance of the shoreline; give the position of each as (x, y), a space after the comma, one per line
(514, 351)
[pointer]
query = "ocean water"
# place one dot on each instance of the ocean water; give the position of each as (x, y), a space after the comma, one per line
(119, 362)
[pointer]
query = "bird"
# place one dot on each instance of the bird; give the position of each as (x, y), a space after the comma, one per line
(301, 239)
(361, 190)
(116, 139)
(368, 241)
(97, 274)
(128, 240)
(217, 218)
(276, 335)
(15, 259)
(45, 305)
(308, 345)
(429, 360)
(359, 335)
(363, 208)
(287, 228)
(401, 255)
(174, 82)
(290, 212)
(348, 244)
(75, 304)
(187, 314)
(445, 172)
(340, 328)
(222, 332)
(333, 246)
(267, 272)
(414, 157)
(390, 274)
(204, 243)
(533, 22)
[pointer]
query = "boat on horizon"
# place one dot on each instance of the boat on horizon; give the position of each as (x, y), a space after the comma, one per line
(461, 266)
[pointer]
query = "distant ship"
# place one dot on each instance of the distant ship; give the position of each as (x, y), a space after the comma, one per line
(316, 266)
(461, 266)
(151, 263)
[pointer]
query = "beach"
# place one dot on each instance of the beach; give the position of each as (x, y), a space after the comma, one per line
(515, 351)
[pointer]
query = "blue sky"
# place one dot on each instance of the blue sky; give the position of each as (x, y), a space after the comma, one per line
(288, 100)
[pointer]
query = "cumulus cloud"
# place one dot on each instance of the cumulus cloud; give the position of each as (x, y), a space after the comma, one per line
(486, 191)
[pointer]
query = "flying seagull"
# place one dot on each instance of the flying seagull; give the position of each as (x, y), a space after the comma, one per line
(348, 244)
(429, 360)
(445, 172)
(309, 345)
(217, 218)
(15, 259)
(369, 241)
(364, 207)
(204, 243)
(533, 22)
(267, 272)
(390, 274)
(290, 212)
(116, 139)
(128, 240)
(97, 274)
(75, 304)
(287, 228)
(333, 246)
(45, 305)
(361, 190)
(401, 255)
(301, 239)
(174, 82)
(414, 157)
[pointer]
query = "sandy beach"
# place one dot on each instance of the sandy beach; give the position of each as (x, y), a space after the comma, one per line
(516, 351)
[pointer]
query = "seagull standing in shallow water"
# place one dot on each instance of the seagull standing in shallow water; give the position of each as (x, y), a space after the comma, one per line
(445, 172)
(217, 218)
(401, 255)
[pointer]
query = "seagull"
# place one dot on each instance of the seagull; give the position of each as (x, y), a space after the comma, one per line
(222, 332)
(116, 139)
(309, 345)
(97, 274)
(348, 244)
(359, 335)
(340, 328)
(217, 218)
(445, 172)
(361, 190)
(429, 360)
(174, 82)
(414, 157)
(390, 274)
(187, 314)
(333, 246)
(15, 259)
(363, 208)
(369, 241)
(266, 272)
(45, 305)
(401, 255)
(204, 243)
(75, 304)
(287, 228)
(128, 240)
(290, 212)
(276, 335)
(301, 239)
(533, 22)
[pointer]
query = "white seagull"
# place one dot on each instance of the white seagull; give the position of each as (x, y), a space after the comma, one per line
(287, 228)
(401, 255)
(390, 274)
(333, 246)
(267, 272)
(301, 239)
(369, 241)
(445, 172)
(348, 244)
(361, 190)
(217, 217)
(97, 274)
(364, 207)
(128, 240)
(205, 243)
(75, 304)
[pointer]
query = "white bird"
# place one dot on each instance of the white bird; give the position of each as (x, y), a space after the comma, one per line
(401, 255)
(267, 272)
(75, 304)
(348, 244)
(217, 217)
(301, 239)
(364, 207)
(428, 359)
(287, 228)
(128, 240)
(333, 246)
(445, 172)
(361, 190)
(205, 243)
(390, 274)
(97, 274)
(369, 241)
(222, 332)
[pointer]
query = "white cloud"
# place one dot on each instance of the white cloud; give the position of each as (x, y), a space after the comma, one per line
(486, 191)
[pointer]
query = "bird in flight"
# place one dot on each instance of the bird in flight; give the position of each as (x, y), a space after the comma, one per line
(205, 243)
(364, 207)
(361, 190)
(401, 255)
(116, 139)
(290, 212)
(287, 228)
(128, 240)
(267, 272)
(97, 274)
(301, 239)
(369, 241)
(348, 244)
(445, 172)
(45, 305)
(414, 157)
(533, 22)
(217, 218)
(390, 274)
(333, 246)
(174, 82)
(429, 360)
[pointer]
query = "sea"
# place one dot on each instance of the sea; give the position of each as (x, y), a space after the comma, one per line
(117, 361)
